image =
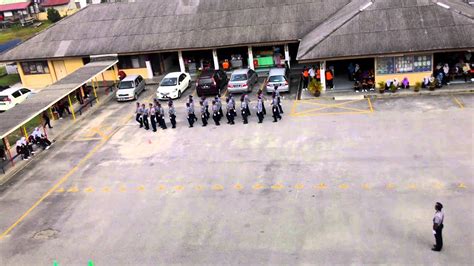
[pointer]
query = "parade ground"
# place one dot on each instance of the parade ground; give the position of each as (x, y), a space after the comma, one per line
(333, 182)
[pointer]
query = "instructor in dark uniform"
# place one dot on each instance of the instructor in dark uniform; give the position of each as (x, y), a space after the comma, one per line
(438, 227)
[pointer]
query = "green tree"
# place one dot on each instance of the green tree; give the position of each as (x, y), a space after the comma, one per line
(53, 15)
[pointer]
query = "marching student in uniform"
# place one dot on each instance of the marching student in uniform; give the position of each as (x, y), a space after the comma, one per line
(260, 96)
(206, 106)
(275, 109)
(41, 139)
(243, 110)
(138, 114)
(191, 106)
(190, 113)
(277, 94)
(153, 117)
(230, 112)
(247, 103)
(204, 116)
(219, 106)
(172, 113)
(232, 100)
(160, 112)
(215, 113)
(145, 114)
(260, 110)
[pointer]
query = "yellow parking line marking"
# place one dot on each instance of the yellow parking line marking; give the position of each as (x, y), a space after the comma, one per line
(106, 189)
(217, 187)
(199, 188)
(458, 101)
(73, 189)
(141, 188)
(412, 186)
(60, 190)
(89, 190)
(366, 186)
(370, 105)
(461, 185)
(331, 113)
(122, 189)
(390, 186)
(438, 185)
(344, 186)
(293, 108)
(257, 186)
(238, 187)
(299, 186)
(278, 187)
(320, 186)
(161, 187)
(178, 188)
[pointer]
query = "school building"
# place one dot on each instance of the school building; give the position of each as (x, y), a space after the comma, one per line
(394, 38)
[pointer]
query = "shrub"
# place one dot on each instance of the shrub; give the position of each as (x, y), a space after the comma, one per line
(417, 87)
(393, 88)
(53, 15)
(381, 86)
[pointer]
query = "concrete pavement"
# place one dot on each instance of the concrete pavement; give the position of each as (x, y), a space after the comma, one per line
(331, 186)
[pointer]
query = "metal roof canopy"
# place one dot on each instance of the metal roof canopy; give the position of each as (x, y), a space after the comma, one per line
(21, 114)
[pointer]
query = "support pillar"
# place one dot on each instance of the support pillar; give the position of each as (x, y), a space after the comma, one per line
(181, 61)
(250, 53)
(95, 91)
(216, 59)
(287, 55)
(25, 133)
(71, 107)
(6, 144)
(322, 72)
(115, 74)
(149, 70)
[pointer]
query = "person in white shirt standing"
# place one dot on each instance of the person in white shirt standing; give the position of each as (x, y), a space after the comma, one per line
(438, 227)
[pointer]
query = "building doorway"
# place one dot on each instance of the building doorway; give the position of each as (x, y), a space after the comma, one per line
(458, 63)
(196, 61)
(59, 69)
(344, 72)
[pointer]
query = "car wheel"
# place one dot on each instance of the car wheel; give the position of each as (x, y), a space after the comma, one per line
(179, 94)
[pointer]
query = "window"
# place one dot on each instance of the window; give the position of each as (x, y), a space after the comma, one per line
(16, 94)
(24, 91)
(128, 62)
(404, 64)
(182, 77)
(32, 68)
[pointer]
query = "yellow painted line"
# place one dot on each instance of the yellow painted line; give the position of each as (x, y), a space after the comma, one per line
(370, 105)
(199, 188)
(366, 186)
(80, 140)
(458, 101)
(390, 186)
(257, 186)
(89, 190)
(238, 187)
(293, 108)
(299, 186)
(438, 185)
(314, 102)
(321, 186)
(161, 187)
(344, 186)
(412, 186)
(122, 189)
(106, 189)
(141, 188)
(314, 110)
(60, 190)
(278, 187)
(55, 186)
(217, 187)
(461, 185)
(178, 188)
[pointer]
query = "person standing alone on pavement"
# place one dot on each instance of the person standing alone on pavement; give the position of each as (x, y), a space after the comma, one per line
(438, 227)
(275, 111)
(277, 94)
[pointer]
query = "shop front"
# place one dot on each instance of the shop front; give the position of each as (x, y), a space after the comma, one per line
(413, 67)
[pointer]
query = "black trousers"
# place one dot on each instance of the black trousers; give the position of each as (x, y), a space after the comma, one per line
(191, 120)
(276, 114)
(244, 116)
(161, 121)
(153, 122)
(330, 83)
(260, 117)
(264, 110)
(204, 119)
(145, 122)
(279, 106)
(173, 121)
(47, 122)
(216, 118)
(230, 117)
(439, 238)
(138, 118)
(248, 111)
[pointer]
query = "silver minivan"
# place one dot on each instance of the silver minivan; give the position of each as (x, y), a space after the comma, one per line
(130, 87)
(277, 77)
(242, 80)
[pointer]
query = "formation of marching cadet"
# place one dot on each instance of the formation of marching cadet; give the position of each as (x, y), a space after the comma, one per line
(154, 114)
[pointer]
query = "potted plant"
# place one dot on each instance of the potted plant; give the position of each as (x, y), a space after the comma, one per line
(417, 87)
(381, 86)
(393, 88)
(433, 85)
(315, 88)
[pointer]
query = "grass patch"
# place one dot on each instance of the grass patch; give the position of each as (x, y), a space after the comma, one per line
(3, 71)
(9, 80)
(18, 32)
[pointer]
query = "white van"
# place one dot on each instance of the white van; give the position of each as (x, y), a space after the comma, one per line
(130, 87)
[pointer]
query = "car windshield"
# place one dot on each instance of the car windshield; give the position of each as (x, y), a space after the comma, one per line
(205, 81)
(238, 77)
(277, 79)
(169, 82)
(126, 85)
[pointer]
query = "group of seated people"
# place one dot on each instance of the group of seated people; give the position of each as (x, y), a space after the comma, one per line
(364, 81)
(404, 84)
(24, 147)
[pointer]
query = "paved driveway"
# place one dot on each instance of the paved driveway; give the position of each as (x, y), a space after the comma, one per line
(334, 188)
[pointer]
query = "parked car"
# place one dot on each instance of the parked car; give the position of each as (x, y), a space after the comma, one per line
(173, 85)
(130, 87)
(13, 96)
(242, 80)
(211, 82)
(277, 77)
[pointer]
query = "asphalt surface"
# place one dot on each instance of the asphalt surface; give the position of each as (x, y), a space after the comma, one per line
(350, 182)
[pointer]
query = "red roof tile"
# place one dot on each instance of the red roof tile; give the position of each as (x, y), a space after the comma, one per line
(16, 6)
(55, 3)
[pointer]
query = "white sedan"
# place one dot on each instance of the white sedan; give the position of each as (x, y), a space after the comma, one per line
(173, 85)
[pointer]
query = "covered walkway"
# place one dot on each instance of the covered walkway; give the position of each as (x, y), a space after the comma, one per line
(17, 117)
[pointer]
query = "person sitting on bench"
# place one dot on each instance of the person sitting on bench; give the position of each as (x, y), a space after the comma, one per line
(41, 139)
(3, 155)
(405, 83)
(22, 150)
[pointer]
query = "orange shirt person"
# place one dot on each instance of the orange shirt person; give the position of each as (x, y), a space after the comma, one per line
(226, 65)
